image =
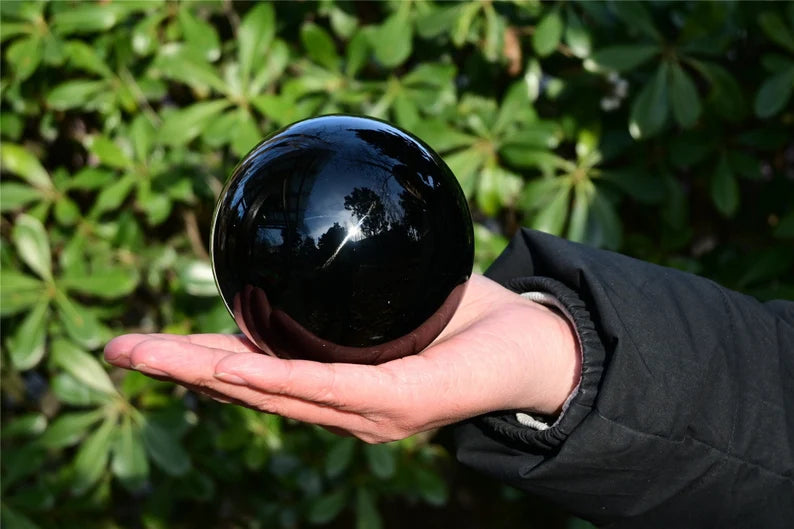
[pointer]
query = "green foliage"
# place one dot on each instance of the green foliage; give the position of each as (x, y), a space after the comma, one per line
(662, 130)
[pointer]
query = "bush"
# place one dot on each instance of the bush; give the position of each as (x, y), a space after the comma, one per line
(663, 130)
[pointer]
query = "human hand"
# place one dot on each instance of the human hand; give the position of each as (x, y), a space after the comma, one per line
(499, 352)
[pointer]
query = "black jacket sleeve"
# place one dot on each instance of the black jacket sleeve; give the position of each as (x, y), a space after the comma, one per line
(684, 416)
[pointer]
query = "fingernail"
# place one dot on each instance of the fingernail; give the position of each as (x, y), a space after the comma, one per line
(231, 379)
(143, 368)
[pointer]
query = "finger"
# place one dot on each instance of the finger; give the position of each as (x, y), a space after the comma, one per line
(176, 358)
(118, 349)
(406, 393)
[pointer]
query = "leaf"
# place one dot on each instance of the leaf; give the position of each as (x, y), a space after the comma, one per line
(24, 56)
(548, 33)
(182, 63)
(551, 218)
(724, 188)
(604, 227)
(650, 109)
(319, 45)
(465, 164)
(109, 153)
(367, 515)
(775, 28)
(30, 239)
(19, 291)
(112, 196)
(197, 278)
(85, 57)
(246, 133)
(392, 42)
(621, 58)
(580, 210)
(774, 93)
(27, 425)
(129, 462)
(356, 53)
(726, 94)
(164, 449)
(576, 34)
(683, 97)
(272, 68)
(92, 457)
(74, 94)
(636, 16)
(14, 196)
(88, 18)
(81, 365)
(430, 485)
(80, 324)
(70, 391)
(639, 183)
(181, 126)
(199, 35)
(380, 458)
(338, 458)
(107, 282)
(26, 346)
(19, 161)
(12, 518)
(325, 508)
(254, 37)
(66, 211)
(69, 428)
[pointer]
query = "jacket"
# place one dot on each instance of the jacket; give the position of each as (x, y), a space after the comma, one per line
(684, 415)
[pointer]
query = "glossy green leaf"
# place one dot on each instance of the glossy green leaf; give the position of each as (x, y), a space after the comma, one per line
(109, 153)
(604, 228)
(650, 109)
(92, 457)
(636, 17)
(272, 69)
(548, 33)
(66, 211)
(129, 462)
(81, 365)
(14, 196)
(319, 45)
(357, 51)
(108, 282)
(724, 188)
(181, 126)
(197, 278)
(392, 42)
(367, 515)
(144, 34)
(27, 425)
(73, 94)
(726, 94)
(430, 486)
(33, 245)
(246, 133)
(89, 18)
(18, 292)
(380, 459)
(774, 93)
(85, 57)
(24, 56)
(26, 347)
(200, 35)
(580, 210)
(182, 63)
(254, 37)
(338, 458)
(621, 58)
(775, 28)
(69, 428)
(18, 160)
(80, 324)
(465, 165)
(327, 507)
(112, 196)
(577, 35)
(684, 97)
(71, 392)
(165, 450)
(551, 217)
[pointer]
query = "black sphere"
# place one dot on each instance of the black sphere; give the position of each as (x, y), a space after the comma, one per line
(342, 239)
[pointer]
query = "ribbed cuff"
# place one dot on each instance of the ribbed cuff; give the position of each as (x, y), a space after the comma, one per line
(580, 403)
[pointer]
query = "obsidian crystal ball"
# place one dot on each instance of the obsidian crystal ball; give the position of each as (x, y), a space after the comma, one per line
(342, 239)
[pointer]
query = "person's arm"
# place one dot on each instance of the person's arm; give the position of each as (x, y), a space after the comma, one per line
(684, 416)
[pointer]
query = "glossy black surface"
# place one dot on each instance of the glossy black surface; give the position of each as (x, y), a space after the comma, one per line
(342, 239)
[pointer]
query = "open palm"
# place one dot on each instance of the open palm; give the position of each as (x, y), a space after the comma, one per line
(499, 352)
